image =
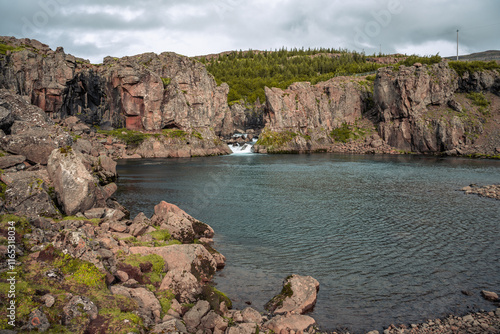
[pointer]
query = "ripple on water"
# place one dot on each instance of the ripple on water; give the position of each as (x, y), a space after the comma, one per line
(390, 239)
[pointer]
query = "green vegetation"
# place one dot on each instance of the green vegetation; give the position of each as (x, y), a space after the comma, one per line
(161, 235)
(156, 261)
(3, 189)
(21, 223)
(275, 140)
(347, 132)
(93, 221)
(473, 66)
(479, 100)
(175, 133)
(196, 134)
(5, 47)
(247, 73)
(130, 137)
(166, 82)
(428, 60)
(165, 298)
(89, 275)
(215, 297)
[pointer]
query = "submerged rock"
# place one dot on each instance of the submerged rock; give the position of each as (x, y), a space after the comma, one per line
(298, 296)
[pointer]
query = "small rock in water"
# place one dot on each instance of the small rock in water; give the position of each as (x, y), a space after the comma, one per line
(488, 295)
(467, 293)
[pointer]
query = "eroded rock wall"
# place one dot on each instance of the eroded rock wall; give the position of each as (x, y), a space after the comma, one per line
(144, 92)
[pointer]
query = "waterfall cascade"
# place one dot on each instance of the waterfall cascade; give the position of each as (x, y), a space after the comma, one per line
(242, 147)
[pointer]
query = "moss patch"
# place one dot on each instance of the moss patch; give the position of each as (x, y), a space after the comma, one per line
(215, 297)
(274, 141)
(151, 267)
(165, 298)
(5, 47)
(130, 137)
(89, 275)
(277, 301)
(347, 132)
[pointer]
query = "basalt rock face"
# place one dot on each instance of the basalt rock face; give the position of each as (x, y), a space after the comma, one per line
(420, 108)
(301, 117)
(402, 99)
(144, 92)
(425, 108)
(324, 105)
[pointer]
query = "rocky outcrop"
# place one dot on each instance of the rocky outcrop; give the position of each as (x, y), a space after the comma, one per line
(181, 226)
(305, 117)
(403, 98)
(74, 185)
(424, 108)
(325, 105)
(420, 108)
(491, 191)
(298, 296)
(29, 132)
(147, 92)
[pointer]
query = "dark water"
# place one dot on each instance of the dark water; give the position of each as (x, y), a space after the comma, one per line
(389, 238)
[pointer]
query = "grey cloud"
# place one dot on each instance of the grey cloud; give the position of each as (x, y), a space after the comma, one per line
(219, 25)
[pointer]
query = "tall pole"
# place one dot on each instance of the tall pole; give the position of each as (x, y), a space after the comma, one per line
(457, 44)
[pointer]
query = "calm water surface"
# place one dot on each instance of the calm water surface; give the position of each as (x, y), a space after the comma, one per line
(389, 238)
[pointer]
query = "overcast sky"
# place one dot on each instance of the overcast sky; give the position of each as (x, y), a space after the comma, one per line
(93, 29)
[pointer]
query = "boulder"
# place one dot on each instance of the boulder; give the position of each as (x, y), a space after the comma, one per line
(74, 185)
(193, 258)
(11, 160)
(212, 320)
(292, 322)
(27, 194)
(298, 296)
(169, 326)
(251, 315)
(183, 284)
(181, 225)
(149, 306)
(79, 306)
(193, 317)
(36, 144)
(489, 295)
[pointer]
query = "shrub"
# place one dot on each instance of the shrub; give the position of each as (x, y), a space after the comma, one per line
(130, 137)
(427, 60)
(473, 66)
(344, 133)
(479, 100)
(174, 133)
(276, 139)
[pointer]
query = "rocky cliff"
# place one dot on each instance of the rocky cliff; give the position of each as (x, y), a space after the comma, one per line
(420, 108)
(433, 109)
(146, 92)
(329, 116)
